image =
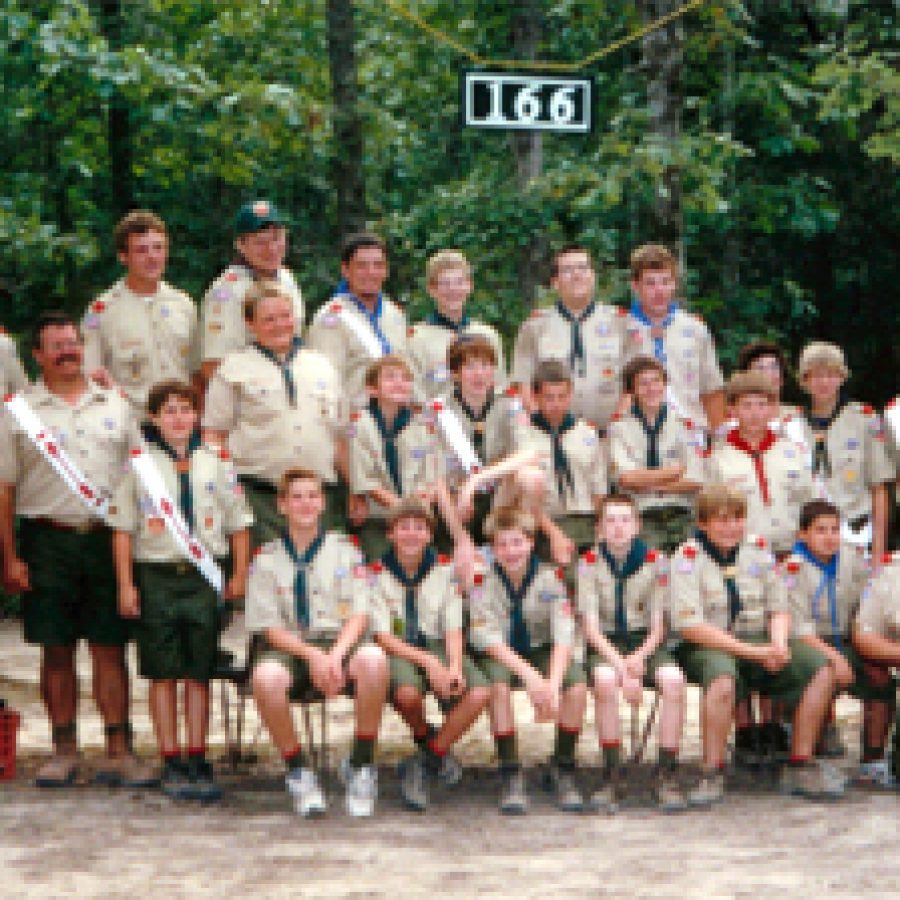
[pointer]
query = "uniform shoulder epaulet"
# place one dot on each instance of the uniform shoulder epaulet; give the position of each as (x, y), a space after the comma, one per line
(621, 312)
(758, 541)
(688, 549)
(889, 559)
(512, 390)
(652, 556)
(444, 559)
(537, 313)
(224, 455)
(589, 557)
(411, 330)
(98, 307)
(376, 567)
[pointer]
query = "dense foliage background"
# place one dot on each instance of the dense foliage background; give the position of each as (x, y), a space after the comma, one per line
(778, 180)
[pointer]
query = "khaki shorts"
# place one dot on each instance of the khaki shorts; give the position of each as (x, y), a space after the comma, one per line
(539, 657)
(406, 674)
(634, 639)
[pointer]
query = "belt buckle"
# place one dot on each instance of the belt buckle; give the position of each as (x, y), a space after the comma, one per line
(84, 528)
(182, 568)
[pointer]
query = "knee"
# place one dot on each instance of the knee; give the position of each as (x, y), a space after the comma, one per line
(720, 694)
(670, 681)
(370, 661)
(406, 696)
(500, 692)
(270, 680)
(606, 683)
(480, 696)
(59, 657)
(576, 693)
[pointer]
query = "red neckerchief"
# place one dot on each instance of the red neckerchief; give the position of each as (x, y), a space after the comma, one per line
(756, 455)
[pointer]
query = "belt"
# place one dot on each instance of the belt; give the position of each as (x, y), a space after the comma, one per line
(258, 484)
(90, 527)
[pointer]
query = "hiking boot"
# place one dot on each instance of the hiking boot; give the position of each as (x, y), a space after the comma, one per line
(876, 774)
(127, 771)
(814, 780)
(608, 796)
(362, 789)
(303, 786)
(513, 798)
(709, 790)
(174, 780)
(202, 785)
(830, 745)
(60, 770)
(414, 782)
(561, 781)
(670, 795)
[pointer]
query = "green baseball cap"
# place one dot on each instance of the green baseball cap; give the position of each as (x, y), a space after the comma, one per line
(256, 215)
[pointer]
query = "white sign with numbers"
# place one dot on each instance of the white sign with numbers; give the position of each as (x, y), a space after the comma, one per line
(505, 100)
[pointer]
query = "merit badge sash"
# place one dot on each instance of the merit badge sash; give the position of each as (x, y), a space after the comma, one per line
(456, 436)
(152, 482)
(361, 329)
(696, 431)
(60, 461)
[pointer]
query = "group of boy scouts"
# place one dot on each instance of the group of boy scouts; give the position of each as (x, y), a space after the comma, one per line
(401, 515)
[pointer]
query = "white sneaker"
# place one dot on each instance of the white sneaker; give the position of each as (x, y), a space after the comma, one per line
(876, 774)
(303, 786)
(362, 790)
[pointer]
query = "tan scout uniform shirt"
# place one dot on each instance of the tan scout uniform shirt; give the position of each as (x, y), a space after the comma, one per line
(790, 486)
(858, 456)
(222, 310)
(98, 433)
(879, 610)
(330, 335)
(587, 463)
(698, 593)
(141, 340)
(426, 350)
(691, 362)
(628, 443)
(597, 381)
(438, 602)
(805, 589)
(646, 592)
(12, 375)
(336, 588)
(219, 506)
(496, 430)
(547, 611)
(267, 433)
(419, 459)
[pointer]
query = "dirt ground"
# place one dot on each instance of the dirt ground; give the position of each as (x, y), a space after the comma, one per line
(91, 842)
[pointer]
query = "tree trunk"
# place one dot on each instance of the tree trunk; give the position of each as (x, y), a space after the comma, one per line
(347, 161)
(662, 52)
(118, 124)
(528, 147)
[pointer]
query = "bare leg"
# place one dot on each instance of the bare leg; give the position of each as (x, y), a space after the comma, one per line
(718, 712)
(606, 704)
(196, 713)
(461, 718)
(368, 669)
(59, 686)
(271, 683)
(164, 712)
(572, 707)
(811, 712)
(670, 681)
(110, 688)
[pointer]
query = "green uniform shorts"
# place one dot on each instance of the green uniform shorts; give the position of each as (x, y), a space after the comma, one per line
(73, 587)
(406, 674)
(539, 657)
(627, 645)
(864, 687)
(702, 665)
(178, 631)
(302, 687)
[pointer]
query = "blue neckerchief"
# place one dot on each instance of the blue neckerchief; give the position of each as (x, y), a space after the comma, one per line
(637, 553)
(828, 583)
(373, 318)
(475, 418)
(652, 432)
(560, 461)
(412, 634)
(576, 353)
(723, 560)
(285, 367)
(389, 440)
(659, 350)
(819, 426)
(153, 435)
(341, 288)
(519, 636)
(301, 562)
(436, 318)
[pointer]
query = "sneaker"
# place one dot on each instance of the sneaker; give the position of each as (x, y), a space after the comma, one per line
(607, 797)
(709, 790)
(303, 786)
(876, 774)
(830, 745)
(513, 799)
(362, 789)
(203, 785)
(814, 780)
(174, 781)
(60, 770)
(414, 782)
(561, 781)
(451, 770)
(670, 796)
(126, 771)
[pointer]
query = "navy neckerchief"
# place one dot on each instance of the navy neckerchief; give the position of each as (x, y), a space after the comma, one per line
(373, 318)
(560, 461)
(153, 435)
(820, 426)
(659, 349)
(389, 439)
(437, 318)
(576, 353)
(285, 367)
(477, 419)
(725, 561)
(301, 562)
(652, 432)
(637, 554)
(828, 584)
(519, 637)
(412, 634)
